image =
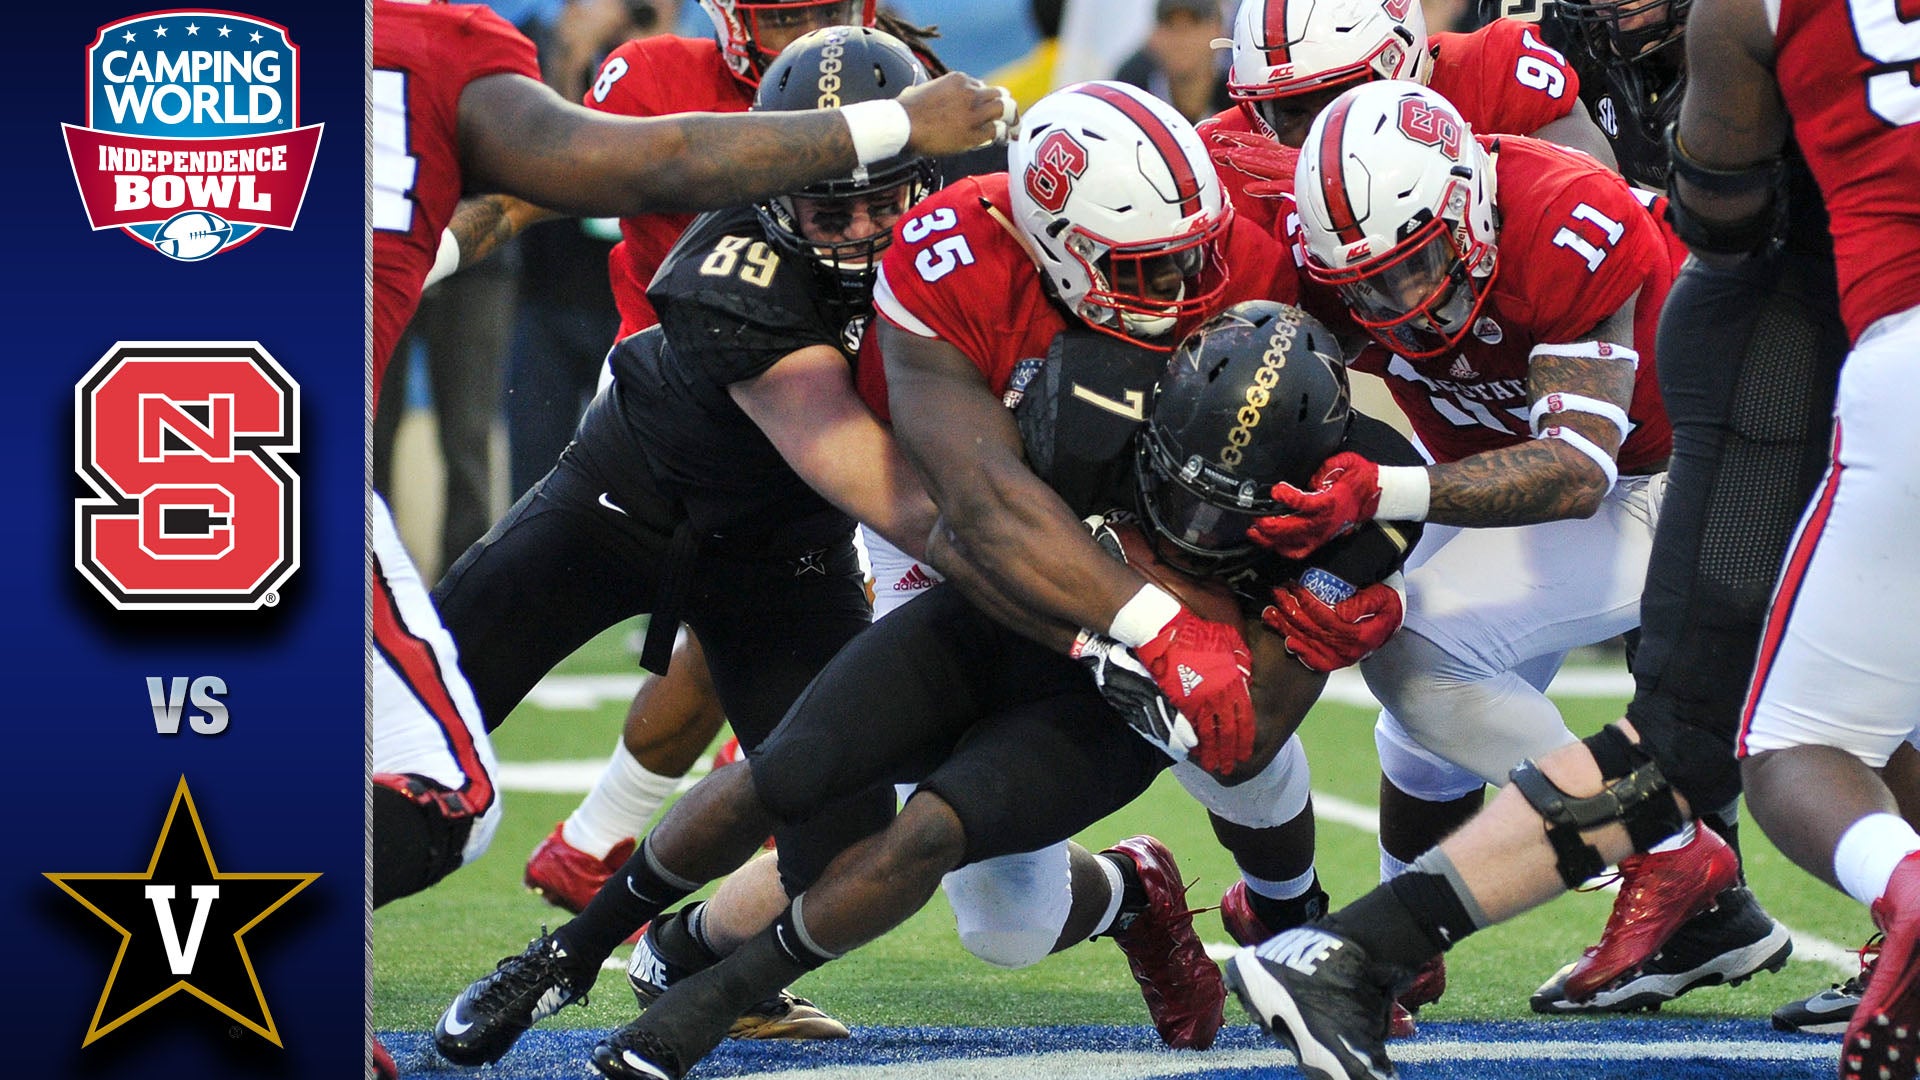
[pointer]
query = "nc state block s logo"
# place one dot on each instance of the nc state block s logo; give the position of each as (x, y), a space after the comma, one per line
(183, 443)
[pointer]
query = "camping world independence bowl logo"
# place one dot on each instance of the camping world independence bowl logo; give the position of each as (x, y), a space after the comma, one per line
(193, 141)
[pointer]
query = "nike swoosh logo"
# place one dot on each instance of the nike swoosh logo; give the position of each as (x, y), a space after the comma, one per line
(1367, 1059)
(608, 503)
(452, 1022)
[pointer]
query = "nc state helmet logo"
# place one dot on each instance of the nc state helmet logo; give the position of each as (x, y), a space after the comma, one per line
(1423, 123)
(1055, 166)
(195, 507)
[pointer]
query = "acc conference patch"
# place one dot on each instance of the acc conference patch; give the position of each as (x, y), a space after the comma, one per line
(184, 444)
(193, 141)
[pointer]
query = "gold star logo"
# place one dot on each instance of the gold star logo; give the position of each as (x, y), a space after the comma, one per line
(181, 925)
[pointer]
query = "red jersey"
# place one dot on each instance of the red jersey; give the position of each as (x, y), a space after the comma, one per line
(1502, 79)
(653, 77)
(424, 55)
(956, 272)
(1575, 243)
(1856, 115)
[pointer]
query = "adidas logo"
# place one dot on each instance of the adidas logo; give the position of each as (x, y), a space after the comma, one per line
(914, 580)
(1461, 369)
(1303, 949)
(1189, 679)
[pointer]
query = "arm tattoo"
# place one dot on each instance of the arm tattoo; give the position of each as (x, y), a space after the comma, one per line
(1540, 479)
(481, 226)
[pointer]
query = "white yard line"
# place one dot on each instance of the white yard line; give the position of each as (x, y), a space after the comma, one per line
(1345, 687)
(1135, 1065)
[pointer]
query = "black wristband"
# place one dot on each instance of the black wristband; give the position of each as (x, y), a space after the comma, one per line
(1749, 178)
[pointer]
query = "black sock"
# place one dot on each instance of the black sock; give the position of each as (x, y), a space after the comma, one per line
(1726, 822)
(1388, 928)
(638, 892)
(693, 1016)
(676, 940)
(1133, 895)
(1278, 915)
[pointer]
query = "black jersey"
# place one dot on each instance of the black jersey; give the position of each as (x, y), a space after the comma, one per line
(731, 305)
(1079, 411)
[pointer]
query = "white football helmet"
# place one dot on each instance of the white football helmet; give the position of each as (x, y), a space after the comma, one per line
(1293, 48)
(1114, 192)
(1397, 200)
(744, 38)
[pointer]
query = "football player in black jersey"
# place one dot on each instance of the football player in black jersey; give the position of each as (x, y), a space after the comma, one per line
(1014, 748)
(718, 479)
(1751, 352)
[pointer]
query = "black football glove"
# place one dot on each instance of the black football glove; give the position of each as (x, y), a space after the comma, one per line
(1130, 688)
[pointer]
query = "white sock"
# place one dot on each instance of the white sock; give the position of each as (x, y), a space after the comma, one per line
(1390, 867)
(1677, 840)
(622, 801)
(1290, 889)
(1116, 885)
(1864, 859)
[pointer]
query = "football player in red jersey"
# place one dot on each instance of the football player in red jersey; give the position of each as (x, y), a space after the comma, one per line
(1511, 289)
(1840, 77)
(458, 105)
(1291, 57)
(1811, 766)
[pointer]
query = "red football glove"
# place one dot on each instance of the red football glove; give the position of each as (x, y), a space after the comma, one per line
(1344, 493)
(1203, 667)
(1328, 638)
(1270, 164)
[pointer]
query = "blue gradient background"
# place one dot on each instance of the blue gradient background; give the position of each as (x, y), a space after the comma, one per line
(88, 779)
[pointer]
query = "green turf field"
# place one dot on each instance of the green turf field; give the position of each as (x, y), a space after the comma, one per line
(427, 947)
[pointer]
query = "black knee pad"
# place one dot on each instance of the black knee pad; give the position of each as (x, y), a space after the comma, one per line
(1634, 793)
(414, 843)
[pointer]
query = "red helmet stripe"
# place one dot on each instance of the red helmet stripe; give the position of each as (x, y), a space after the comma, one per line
(1276, 33)
(1333, 180)
(1186, 185)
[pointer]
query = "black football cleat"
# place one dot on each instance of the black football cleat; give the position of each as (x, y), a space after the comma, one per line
(782, 1016)
(1321, 995)
(488, 1017)
(1730, 944)
(633, 1053)
(1829, 1011)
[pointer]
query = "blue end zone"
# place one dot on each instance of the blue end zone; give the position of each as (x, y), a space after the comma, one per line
(1615, 1049)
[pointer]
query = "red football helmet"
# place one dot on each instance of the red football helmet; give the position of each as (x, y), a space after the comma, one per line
(1397, 201)
(752, 32)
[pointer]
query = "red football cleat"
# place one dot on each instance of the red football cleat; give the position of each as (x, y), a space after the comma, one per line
(1185, 995)
(1884, 1035)
(568, 877)
(383, 1067)
(1658, 892)
(1236, 914)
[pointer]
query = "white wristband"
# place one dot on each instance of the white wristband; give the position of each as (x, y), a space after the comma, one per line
(1555, 403)
(1404, 493)
(1586, 446)
(446, 260)
(1588, 350)
(880, 129)
(1141, 619)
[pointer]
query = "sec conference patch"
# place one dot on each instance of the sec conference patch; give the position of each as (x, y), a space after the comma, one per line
(184, 444)
(182, 925)
(193, 141)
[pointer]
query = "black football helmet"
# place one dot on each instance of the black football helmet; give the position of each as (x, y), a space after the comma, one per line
(828, 68)
(1256, 396)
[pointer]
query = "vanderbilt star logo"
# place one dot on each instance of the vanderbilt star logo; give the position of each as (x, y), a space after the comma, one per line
(181, 925)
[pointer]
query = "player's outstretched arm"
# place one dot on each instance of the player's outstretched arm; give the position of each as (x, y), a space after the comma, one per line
(1004, 519)
(519, 137)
